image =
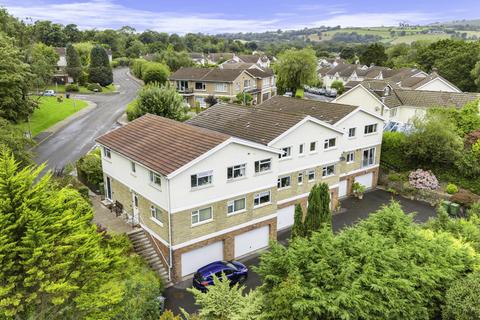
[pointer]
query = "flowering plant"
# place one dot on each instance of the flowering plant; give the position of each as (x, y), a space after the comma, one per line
(421, 179)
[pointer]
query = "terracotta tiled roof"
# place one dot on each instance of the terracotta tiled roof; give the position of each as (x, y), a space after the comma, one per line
(161, 144)
(206, 74)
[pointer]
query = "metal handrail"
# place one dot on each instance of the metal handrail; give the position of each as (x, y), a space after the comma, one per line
(158, 248)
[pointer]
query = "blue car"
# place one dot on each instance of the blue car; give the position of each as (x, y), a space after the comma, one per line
(235, 272)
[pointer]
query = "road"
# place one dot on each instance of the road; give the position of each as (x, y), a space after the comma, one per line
(317, 97)
(355, 210)
(78, 137)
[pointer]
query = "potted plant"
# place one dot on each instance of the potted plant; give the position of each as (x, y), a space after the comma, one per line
(358, 190)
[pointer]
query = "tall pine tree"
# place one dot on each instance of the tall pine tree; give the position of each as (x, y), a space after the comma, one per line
(298, 228)
(324, 200)
(100, 70)
(74, 66)
(318, 210)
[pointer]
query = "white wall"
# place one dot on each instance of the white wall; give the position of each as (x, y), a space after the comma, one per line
(183, 197)
(359, 120)
(406, 114)
(438, 85)
(62, 61)
(119, 168)
(306, 133)
(359, 96)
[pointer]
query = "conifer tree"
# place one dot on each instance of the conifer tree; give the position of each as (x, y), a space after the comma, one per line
(74, 66)
(100, 70)
(298, 228)
(312, 219)
(324, 201)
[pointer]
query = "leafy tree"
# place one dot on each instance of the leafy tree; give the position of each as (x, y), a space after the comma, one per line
(160, 100)
(475, 73)
(211, 100)
(393, 145)
(168, 315)
(347, 53)
(244, 98)
(223, 302)
(113, 41)
(72, 33)
(89, 167)
(385, 267)
(318, 209)
(338, 85)
(55, 264)
(174, 59)
(13, 138)
(15, 104)
(325, 212)
(463, 299)
(155, 72)
(135, 49)
(84, 49)
(374, 54)
(100, 70)
(297, 229)
(43, 60)
(49, 33)
(74, 66)
(295, 68)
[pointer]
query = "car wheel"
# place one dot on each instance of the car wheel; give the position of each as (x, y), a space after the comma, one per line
(242, 280)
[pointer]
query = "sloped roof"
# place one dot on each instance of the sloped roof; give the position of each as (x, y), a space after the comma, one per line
(206, 74)
(216, 57)
(161, 144)
(426, 99)
(247, 58)
(257, 73)
(237, 65)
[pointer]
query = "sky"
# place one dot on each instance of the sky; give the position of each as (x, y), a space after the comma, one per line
(216, 16)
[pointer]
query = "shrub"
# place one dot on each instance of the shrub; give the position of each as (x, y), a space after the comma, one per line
(244, 98)
(393, 147)
(398, 176)
(89, 169)
(121, 62)
(462, 300)
(138, 66)
(94, 87)
(338, 85)
(451, 188)
(224, 99)
(421, 179)
(465, 198)
(72, 88)
(100, 70)
(211, 100)
(132, 110)
(155, 72)
(162, 101)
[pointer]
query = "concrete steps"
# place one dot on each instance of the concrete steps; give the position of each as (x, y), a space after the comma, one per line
(144, 247)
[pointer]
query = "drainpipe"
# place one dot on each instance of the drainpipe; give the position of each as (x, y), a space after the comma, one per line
(169, 233)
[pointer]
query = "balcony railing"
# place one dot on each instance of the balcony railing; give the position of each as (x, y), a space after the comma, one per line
(185, 90)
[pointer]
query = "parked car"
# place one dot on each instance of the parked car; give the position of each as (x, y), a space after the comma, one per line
(331, 93)
(288, 94)
(49, 93)
(235, 272)
(322, 91)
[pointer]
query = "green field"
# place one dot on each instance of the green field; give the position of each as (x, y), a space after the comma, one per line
(60, 88)
(420, 37)
(49, 112)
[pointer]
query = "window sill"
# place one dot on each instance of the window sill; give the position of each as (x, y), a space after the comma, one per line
(236, 179)
(155, 186)
(351, 138)
(201, 187)
(301, 155)
(350, 162)
(285, 158)
(133, 174)
(329, 176)
(369, 134)
(156, 221)
(313, 152)
(330, 149)
(109, 160)
(262, 205)
(262, 172)
(202, 223)
(236, 212)
(284, 188)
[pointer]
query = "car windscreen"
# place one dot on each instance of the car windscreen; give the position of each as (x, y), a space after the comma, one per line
(230, 265)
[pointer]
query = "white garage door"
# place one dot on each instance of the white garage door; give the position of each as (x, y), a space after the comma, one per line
(366, 180)
(342, 189)
(250, 241)
(285, 217)
(195, 259)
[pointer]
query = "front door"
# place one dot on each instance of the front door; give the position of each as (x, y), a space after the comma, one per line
(134, 209)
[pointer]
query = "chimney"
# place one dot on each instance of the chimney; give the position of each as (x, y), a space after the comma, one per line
(434, 71)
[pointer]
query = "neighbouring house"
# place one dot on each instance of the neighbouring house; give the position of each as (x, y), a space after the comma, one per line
(260, 60)
(195, 84)
(60, 75)
(218, 58)
(432, 82)
(238, 65)
(221, 185)
(401, 105)
(198, 58)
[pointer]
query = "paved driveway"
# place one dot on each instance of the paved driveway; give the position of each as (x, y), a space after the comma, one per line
(78, 137)
(178, 297)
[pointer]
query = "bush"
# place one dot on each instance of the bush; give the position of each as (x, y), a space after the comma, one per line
(338, 85)
(89, 168)
(421, 179)
(162, 101)
(155, 72)
(451, 188)
(211, 100)
(72, 88)
(462, 301)
(465, 198)
(244, 98)
(132, 110)
(94, 87)
(398, 177)
(393, 147)
(138, 66)
(120, 62)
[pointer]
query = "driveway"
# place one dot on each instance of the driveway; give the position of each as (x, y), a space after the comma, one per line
(317, 97)
(178, 297)
(78, 137)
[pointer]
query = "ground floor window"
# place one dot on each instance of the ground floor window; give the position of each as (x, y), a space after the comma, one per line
(234, 206)
(261, 198)
(202, 215)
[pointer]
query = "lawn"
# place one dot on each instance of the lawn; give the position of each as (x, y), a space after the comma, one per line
(60, 88)
(49, 112)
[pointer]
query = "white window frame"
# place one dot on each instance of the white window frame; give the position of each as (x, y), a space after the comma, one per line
(286, 154)
(155, 213)
(246, 83)
(354, 132)
(155, 179)
(107, 153)
(301, 149)
(133, 168)
(373, 125)
(224, 87)
(260, 195)
(309, 172)
(242, 168)
(393, 112)
(231, 204)
(280, 180)
(204, 86)
(314, 144)
(196, 213)
(369, 163)
(208, 174)
(326, 143)
(300, 178)
(350, 158)
(325, 170)
(259, 164)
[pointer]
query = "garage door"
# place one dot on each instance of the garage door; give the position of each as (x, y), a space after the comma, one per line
(366, 180)
(285, 217)
(342, 189)
(250, 241)
(195, 259)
